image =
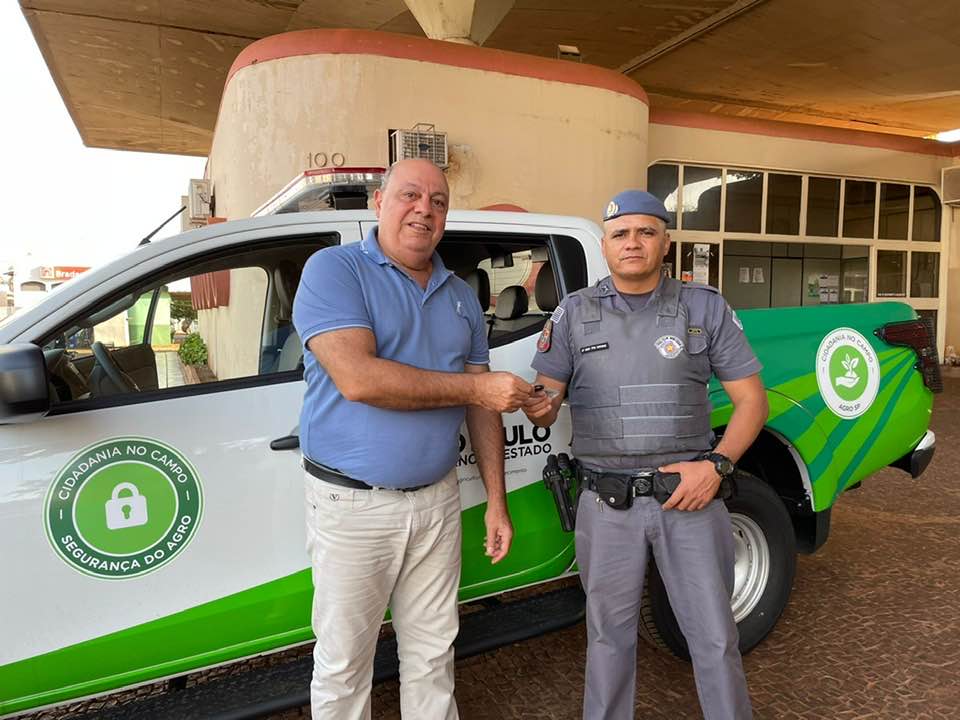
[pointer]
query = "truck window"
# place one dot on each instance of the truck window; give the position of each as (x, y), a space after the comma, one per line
(212, 324)
(515, 277)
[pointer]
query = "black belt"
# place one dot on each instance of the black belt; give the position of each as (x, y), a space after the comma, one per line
(640, 480)
(338, 478)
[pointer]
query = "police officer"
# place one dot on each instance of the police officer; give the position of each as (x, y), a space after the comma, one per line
(634, 354)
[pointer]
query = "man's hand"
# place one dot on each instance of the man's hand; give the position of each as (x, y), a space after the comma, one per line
(499, 533)
(699, 483)
(502, 391)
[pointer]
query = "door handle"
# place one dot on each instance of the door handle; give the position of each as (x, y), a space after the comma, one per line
(287, 442)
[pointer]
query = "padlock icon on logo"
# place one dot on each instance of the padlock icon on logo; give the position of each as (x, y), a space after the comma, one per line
(125, 511)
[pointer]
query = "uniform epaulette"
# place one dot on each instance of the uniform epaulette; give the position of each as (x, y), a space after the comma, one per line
(583, 292)
(700, 286)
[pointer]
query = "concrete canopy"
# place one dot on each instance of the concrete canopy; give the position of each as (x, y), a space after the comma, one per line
(149, 75)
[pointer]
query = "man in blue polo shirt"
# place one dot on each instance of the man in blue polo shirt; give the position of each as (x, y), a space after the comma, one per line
(397, 357)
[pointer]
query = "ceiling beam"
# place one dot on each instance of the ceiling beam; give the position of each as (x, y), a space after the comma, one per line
(704, 26)
(464, 21)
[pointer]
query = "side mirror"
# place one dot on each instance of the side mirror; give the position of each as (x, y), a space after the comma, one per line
(24, 392)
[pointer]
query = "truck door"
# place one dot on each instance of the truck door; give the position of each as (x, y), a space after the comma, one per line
(155, 530)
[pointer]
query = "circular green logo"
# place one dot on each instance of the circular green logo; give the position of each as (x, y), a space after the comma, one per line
(123, 507)
(848, 372)
(848, 369)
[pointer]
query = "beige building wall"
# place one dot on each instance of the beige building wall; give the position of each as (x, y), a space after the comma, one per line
(952, 220)
(546, 135)
(232, 332)
(543, 144)
(114, 332)
(752, 145)
(741, 149)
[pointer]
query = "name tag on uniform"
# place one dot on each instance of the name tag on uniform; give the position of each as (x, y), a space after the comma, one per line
(594, 348)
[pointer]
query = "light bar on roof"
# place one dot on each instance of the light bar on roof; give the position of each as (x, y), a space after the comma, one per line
(324, 189)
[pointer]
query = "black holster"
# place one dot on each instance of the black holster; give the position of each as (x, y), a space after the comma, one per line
(561, 475)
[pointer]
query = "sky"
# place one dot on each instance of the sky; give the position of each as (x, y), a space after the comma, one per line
(67, 204)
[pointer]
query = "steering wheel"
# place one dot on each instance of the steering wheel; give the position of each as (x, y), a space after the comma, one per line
(109, 366)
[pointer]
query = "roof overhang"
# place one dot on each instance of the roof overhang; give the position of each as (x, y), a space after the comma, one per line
(149, 75)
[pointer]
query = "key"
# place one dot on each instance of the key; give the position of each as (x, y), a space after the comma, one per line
(549, 392)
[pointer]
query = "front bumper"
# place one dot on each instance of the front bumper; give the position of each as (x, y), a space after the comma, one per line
(916, 462)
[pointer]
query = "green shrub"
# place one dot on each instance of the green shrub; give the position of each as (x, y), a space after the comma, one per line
(181, 309)
(193, 350)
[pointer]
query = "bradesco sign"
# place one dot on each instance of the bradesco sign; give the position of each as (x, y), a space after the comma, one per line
(123, 507)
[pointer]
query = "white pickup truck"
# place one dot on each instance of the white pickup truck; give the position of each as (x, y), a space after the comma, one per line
(151, 509)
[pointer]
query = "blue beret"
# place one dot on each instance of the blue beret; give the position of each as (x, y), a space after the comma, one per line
(635, 202)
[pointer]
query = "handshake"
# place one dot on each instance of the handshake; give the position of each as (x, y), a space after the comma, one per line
(505, 392)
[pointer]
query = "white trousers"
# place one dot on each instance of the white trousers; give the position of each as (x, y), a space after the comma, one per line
(374, 549)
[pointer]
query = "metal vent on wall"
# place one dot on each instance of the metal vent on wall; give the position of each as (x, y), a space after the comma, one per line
(951, 186)
(421, 141)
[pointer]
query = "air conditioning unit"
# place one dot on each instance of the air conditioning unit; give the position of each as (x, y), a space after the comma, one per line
(198, 202)
(421, 141)
(951, 186)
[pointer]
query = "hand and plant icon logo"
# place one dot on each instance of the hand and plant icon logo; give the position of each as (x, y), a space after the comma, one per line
(848, 372)
(850, 378)
(846, 369)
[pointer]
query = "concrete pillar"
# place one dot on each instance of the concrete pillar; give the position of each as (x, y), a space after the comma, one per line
(469, 22)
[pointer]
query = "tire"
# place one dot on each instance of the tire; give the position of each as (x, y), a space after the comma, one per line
(766, 559)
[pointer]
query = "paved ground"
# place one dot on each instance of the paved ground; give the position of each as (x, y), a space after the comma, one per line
(872, 631)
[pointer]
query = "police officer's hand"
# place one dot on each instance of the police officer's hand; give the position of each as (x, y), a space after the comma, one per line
(699, 482)
(538, 405)
(502, 391)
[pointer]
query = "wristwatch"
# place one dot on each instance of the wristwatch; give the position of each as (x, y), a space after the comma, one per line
(722, 463)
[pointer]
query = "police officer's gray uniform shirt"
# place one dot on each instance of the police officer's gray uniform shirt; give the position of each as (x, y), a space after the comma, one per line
(703, 338)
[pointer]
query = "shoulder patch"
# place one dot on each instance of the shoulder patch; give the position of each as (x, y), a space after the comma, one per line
(557, 314)
(546, 337)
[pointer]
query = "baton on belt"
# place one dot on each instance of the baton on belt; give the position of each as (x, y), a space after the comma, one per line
(559, 476)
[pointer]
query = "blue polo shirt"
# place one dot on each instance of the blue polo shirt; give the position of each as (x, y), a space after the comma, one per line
(441, 328)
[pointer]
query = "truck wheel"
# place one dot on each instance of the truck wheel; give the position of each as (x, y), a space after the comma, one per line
(766, 558)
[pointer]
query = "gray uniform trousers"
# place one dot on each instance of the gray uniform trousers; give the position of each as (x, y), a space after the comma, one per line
(695, 555)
